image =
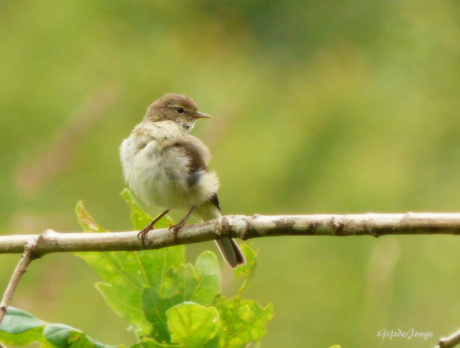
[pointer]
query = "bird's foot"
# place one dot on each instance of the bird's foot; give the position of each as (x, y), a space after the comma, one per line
(175, 229)
(141, 235)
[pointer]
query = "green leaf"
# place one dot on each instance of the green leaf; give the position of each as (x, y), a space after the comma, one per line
(148, 288)
(208, 279)
(243, 321)
(17, 321)
(251, 260)
(199, 283)
(57, 334)
(192, 324)
(127, 304)
(137, 270)
(151, 343)
(139, 218)
(157, 264)
(65, 336)
(86, 220)
(126, 274)
(155, 308)
(186, 280)
(20, 328)
(252, 345)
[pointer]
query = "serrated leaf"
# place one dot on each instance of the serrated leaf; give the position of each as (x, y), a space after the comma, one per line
(242, 321)
(191, 324)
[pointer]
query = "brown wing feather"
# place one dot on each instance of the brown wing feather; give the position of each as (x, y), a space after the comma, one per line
(199, 156)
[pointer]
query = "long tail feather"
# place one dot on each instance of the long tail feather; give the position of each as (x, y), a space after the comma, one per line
(227, 246)
(230, 251)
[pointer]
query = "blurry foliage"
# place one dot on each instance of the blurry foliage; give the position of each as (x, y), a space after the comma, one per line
(318, 107)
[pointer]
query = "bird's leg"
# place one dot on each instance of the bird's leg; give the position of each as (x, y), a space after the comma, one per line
(174, 229)
(141, 235)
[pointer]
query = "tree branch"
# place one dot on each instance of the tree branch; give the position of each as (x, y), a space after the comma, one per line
(27, 257)
(450, 341)
(237, 226)
(244, 227)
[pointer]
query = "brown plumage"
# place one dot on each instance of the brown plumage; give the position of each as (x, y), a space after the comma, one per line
(167, 167)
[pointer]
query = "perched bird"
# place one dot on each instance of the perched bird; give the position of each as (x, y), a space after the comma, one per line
(167, 167)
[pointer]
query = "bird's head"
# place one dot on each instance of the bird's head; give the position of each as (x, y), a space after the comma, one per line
(175, 107)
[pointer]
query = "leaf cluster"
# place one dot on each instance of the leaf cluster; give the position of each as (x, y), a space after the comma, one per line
(167, 302)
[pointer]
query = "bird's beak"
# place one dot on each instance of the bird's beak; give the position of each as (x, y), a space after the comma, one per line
(201, 115)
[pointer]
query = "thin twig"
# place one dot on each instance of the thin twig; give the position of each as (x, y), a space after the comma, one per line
(450, 341)
(27, 257)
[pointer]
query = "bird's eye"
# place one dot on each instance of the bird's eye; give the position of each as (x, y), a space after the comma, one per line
(180, 110)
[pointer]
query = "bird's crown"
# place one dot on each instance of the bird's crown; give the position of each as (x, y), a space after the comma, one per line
(174, 107)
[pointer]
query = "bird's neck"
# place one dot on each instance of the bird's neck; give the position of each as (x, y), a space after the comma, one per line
(187, 126)
(176, 126)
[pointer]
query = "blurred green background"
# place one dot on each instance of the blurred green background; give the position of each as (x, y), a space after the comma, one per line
(319, 107)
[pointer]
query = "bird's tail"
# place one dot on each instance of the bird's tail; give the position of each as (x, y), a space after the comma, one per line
(229, 249)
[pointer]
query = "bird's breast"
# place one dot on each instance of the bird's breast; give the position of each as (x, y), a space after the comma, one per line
(159, 172)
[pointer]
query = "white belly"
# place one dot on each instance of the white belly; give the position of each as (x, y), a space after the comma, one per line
(161, 177)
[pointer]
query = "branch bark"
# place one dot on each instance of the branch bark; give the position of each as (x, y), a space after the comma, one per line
(243, 227)
(27, 257)
(237, 226)
(450, 341)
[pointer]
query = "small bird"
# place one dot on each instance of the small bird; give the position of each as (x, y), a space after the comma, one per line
(167, 167)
